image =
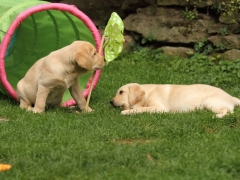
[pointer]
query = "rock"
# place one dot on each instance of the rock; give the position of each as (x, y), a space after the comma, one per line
(178, 51)
(229, 19)
(99, 11)
(230, 42)
(223, 29)
(185, 3)
(231, 54)
(127, 41)
(168, 3)
(166, 25)
(131, 5)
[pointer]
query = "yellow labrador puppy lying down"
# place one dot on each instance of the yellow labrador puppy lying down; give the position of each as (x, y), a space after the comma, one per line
(47, 80)
(136, 98)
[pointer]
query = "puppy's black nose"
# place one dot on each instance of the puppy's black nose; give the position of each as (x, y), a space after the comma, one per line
(111, 102)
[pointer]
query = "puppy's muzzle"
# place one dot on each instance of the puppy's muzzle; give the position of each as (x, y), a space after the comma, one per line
(112, 103)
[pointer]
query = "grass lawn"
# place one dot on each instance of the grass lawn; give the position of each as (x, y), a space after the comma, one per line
(58, 144)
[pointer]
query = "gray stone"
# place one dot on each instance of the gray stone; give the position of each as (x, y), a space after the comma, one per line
(98, 11)
(232, 54)
(230, 42)
(127, 41)
(229, 19)
(165, 25)
(178, 51)
(185, 3)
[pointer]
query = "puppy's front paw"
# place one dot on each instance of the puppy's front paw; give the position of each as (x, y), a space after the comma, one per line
(34, 110)
(125, 112)
(29, 108)
(88, 109)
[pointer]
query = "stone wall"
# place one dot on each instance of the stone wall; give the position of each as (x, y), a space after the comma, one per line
(163, 22)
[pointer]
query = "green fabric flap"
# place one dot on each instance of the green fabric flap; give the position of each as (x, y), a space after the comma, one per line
(10, 9)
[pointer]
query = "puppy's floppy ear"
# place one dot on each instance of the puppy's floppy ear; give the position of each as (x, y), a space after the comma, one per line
(83, 60)
(136, 94)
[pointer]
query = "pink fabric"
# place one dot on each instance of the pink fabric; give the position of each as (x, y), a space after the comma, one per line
(21, 17)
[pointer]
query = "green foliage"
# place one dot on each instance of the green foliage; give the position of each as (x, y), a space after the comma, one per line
(144, 53)
(205, 69)
(198, 69)
(228, 8)
(150, 38)
(190, 15)
(224, 31)
(142, 40)
(139, 42)
(205, 47)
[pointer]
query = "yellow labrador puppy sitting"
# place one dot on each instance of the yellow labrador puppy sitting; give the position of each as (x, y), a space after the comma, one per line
(136, 98)
(47, 80)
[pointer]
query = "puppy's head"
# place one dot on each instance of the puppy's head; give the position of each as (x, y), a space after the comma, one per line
(87, 56)
(128, 96)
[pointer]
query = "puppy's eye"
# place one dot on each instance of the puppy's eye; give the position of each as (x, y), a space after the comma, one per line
(95, 53)
(120, 92)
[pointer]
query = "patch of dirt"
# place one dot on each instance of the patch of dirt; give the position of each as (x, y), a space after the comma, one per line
(149, 157)
(3, 119)
(132, 141)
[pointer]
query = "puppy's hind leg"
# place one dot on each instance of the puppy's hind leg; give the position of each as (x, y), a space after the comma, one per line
(22, 98)
(219, 107)
(221, 111)
(25, 104)
(41, 99)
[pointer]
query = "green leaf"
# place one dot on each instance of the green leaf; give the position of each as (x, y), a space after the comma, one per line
(114, 33)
